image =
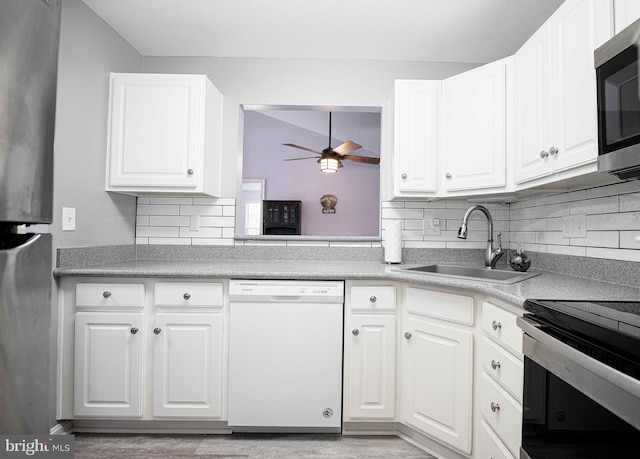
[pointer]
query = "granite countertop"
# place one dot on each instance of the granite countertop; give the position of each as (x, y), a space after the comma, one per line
(548, 285)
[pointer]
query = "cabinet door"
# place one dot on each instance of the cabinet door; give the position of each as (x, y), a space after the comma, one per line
(188, 359)
(437, 380)
(474, 128)
(108, 370)
(371, 348)
(578, 27)
(156, 130)
(532, 107)
(626, 12)
(415, 146)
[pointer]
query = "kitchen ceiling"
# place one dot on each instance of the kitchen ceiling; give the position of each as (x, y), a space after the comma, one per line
(472, 31)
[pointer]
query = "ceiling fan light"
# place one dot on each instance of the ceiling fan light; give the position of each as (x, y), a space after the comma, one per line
(329, 165)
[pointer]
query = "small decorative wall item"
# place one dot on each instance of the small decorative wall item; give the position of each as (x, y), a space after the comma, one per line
(520, 261)
(328, 202)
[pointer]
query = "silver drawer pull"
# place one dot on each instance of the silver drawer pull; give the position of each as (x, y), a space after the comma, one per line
(407, 335)
(496, 325)
(106, 294)
(373, 299)
(157, 330)
(134, 330)
(355, 332)
(189, 171)
(495, 364)
(186, 296)
(495, 407)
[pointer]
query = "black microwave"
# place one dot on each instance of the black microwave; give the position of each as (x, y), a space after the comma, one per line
(617, 70)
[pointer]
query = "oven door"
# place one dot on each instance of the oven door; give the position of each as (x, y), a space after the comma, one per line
(573, 405)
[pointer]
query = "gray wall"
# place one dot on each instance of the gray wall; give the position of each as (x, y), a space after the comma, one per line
(89, 50)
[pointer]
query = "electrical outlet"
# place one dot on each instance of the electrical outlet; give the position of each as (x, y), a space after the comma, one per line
(68, 219)
(574, 226)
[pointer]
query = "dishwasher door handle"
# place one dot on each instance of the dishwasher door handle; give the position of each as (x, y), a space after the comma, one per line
(285, 298)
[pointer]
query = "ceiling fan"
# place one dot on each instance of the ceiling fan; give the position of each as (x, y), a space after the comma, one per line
(331, 158)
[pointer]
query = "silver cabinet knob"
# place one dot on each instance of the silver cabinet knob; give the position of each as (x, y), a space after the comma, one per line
(106, 294)
(407, 335)
(448, 175)
(495, 407)
(134, 330)
(404, 176)
(544, 154)
(157, 330)
(373, 299)
(496, 325)
(190, 171)
(355, 332)
(186, 296)
(495, 365)
(553, 151)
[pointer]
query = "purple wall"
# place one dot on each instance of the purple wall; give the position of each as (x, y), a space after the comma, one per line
(356, 185)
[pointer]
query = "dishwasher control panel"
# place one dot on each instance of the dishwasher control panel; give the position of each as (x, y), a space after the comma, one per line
(286, 290)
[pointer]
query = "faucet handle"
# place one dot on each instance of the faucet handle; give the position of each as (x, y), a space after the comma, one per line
(500, 240)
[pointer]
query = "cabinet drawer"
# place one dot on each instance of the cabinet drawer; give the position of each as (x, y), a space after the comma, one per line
(109, 295)
(189, 294)
(447, 306)
(503, 367)
(490, 444)
(501, 326)
(372, 297)
(502, 412)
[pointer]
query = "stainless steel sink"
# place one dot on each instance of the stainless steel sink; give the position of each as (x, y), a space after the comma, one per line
(479, 273)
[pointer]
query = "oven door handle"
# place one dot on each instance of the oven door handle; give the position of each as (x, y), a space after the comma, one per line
(616, 391)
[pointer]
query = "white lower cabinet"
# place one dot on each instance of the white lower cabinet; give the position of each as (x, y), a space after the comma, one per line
(187, 370)
(437, 370)
(500, 383)
(108, 364)
(142, 350)
(370, 353)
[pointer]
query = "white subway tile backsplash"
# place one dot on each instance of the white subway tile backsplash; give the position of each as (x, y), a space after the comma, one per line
(598, 239)
(612, 229)
(213, 211)
(168, 220)
(169, 241)
(629, 202)
(630, 239)
(163, 209)
(163, 200)
(156, 231)
(606, 205)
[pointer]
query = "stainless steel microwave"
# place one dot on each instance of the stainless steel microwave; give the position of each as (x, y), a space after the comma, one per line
(617, 69)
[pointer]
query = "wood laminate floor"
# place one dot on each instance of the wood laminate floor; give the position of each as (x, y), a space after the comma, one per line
(259, 446)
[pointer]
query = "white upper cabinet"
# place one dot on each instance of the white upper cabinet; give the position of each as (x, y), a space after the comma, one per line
(625, 12)
(475, 128)
(416, 112)
(555, 92)
(165, 135)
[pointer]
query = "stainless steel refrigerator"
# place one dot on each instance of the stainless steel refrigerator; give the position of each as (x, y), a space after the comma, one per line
(29, 34)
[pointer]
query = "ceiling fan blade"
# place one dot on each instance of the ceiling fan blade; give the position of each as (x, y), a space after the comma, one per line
(346, 148)
(302, 148)
(361, 159)
(296, 159)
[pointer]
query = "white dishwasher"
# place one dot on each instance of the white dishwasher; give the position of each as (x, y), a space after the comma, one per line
(285, 355)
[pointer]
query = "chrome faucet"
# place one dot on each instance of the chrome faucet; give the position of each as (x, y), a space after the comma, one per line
(491, 255)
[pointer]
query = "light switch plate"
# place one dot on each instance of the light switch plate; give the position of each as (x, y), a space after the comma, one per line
(431, 224)
(194, 223)
(68, 219)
